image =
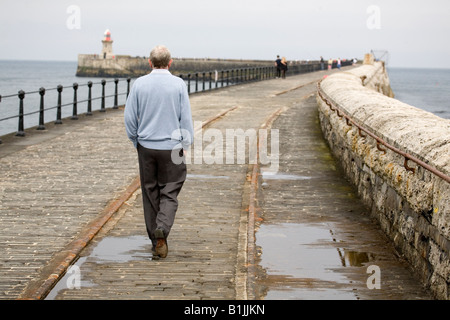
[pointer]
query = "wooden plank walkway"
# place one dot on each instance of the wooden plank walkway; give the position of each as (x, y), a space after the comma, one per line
(55, 186)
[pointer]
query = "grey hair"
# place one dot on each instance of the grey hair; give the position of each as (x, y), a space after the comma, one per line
(160, 57)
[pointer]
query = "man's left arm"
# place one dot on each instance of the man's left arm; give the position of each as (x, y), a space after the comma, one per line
(131, 117)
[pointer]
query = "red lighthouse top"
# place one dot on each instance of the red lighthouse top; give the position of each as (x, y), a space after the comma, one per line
(107, 36)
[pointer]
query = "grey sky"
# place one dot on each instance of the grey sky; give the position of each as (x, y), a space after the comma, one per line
(414, 32)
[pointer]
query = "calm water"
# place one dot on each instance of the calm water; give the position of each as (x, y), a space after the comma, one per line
(428, 89)
(29, 76)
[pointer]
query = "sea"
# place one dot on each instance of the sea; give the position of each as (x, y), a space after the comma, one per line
(428, 89)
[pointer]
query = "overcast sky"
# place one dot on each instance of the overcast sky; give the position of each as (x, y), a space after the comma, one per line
(416, 33)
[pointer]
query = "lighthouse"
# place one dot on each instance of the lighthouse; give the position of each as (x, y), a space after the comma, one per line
(107, 52)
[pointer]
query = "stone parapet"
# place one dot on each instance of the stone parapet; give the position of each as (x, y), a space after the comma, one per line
(413, 208)
(91, 65)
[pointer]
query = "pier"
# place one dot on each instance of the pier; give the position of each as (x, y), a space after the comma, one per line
(72, 223)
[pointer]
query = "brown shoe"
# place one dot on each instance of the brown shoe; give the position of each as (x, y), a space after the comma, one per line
(161, 244)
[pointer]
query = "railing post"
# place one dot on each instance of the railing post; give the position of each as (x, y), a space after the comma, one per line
(41, 110)
(189, 83)
(203, 75)
(75, 111)
(89, 106)
(116, 93)
(196, 82)
(128, 86)
(228, 77)
(102, 107)
(210, 80)
(21, 132)
(59, 88)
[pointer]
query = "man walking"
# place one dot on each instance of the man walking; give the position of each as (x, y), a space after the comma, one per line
(158, 121)
(278, 65)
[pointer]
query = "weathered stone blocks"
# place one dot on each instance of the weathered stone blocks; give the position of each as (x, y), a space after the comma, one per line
(413, 208)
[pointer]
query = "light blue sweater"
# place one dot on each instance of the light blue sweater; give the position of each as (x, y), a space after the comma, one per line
(158, 113)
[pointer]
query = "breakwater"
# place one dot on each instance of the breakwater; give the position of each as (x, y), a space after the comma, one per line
(122, 66)
(397, 156)
(91, 65)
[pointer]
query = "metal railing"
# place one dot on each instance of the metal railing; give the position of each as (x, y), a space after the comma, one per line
(210, 80)
(196, 82)
(380, 142)
(74, 103)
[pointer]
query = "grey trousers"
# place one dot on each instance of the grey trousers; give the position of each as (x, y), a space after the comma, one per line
(161, 182)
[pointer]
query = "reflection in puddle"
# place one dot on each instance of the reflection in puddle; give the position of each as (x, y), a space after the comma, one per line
(108, 250)
(115, 249)
(305, 254)
(353, 258)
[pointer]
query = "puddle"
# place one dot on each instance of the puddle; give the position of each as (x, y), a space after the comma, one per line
(116, 249)
(66, 281)
(108, 250)
(288, 250)
(205, 176)
(309, 294)
(305, 254)
(267, 175)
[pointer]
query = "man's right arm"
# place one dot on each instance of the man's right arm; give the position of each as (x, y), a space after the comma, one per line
(186, 125)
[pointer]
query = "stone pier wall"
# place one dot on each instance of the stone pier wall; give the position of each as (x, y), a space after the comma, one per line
(90, 65)
(413, 209)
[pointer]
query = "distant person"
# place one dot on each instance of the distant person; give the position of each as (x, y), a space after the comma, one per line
(339, 63)
(284, 67)
(278, 66)
(322, 63)
(158, 121)
(330, 64)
